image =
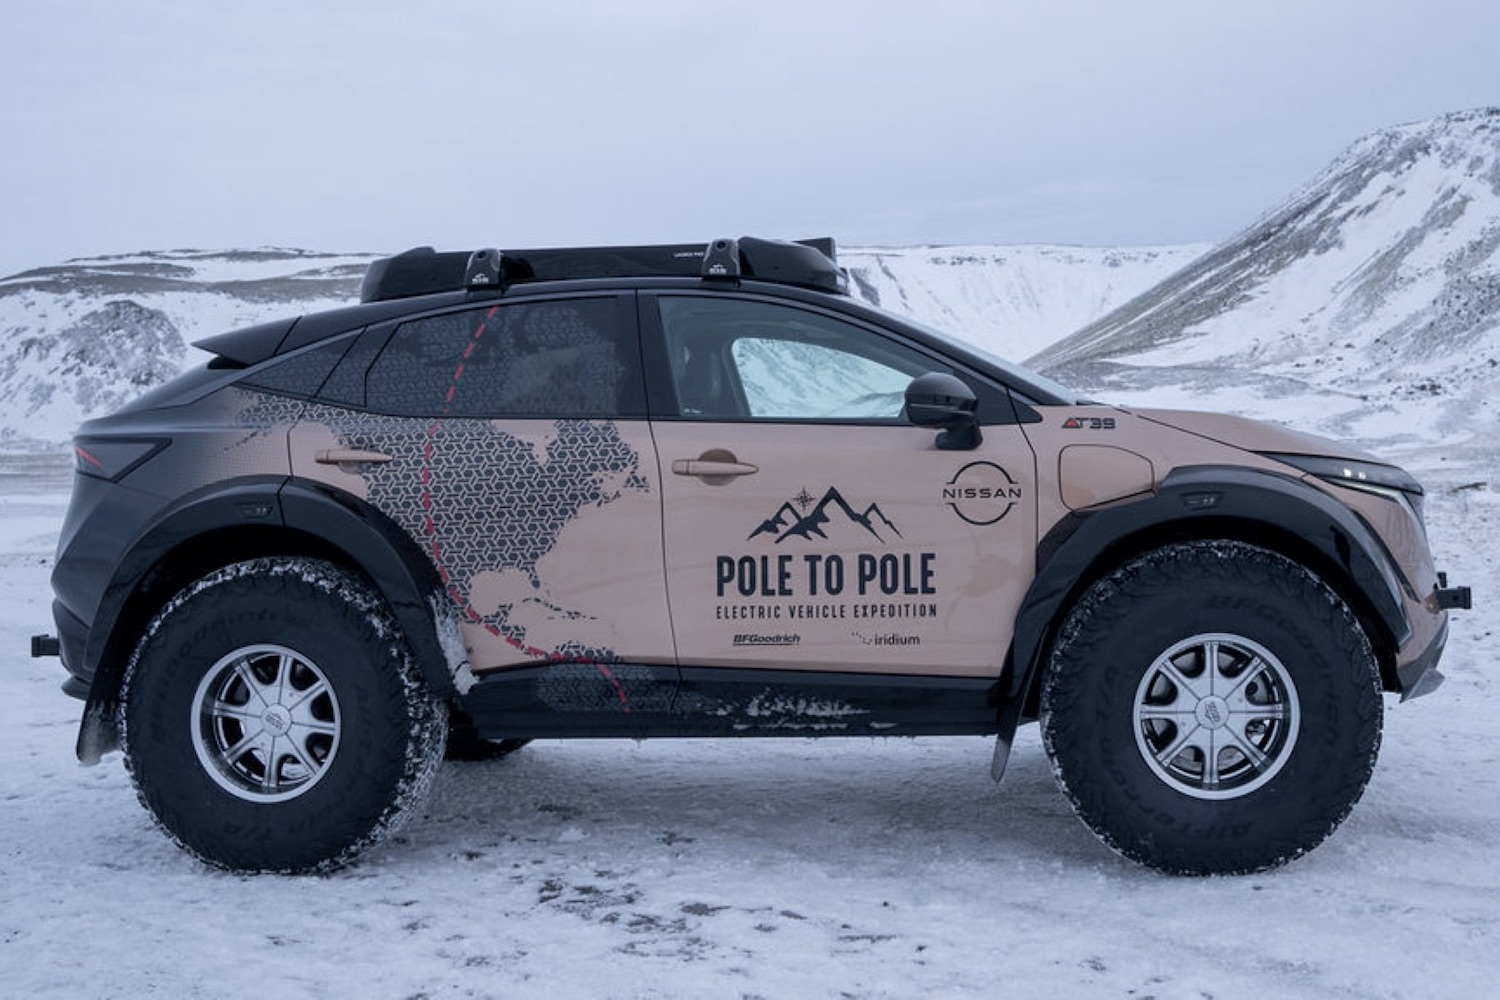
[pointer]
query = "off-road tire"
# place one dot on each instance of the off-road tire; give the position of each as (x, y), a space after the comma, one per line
(299, 660)
(1197, 768)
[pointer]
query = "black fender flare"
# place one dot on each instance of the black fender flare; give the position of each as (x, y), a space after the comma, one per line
(1202, 502)
(250, 501)
(342, 525)
(406, 579)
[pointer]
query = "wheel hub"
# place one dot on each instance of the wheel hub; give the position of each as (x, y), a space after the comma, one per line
(266, 723)
(1216, 716)
(277, 720)
(1212, 712)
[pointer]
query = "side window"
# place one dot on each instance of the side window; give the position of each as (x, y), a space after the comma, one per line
(300, 374)
(552, 359)
(739, 358)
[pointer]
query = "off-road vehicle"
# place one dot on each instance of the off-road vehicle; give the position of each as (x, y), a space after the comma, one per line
(701, 491)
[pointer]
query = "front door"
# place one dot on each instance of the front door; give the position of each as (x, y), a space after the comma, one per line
(808, 525)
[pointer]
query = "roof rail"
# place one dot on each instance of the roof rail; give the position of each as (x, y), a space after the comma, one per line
(424, 271)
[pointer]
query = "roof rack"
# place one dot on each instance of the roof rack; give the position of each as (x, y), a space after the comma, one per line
(423, 271)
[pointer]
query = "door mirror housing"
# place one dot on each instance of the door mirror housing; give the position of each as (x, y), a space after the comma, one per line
(938, 399)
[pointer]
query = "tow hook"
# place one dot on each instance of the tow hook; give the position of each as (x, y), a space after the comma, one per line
(1452, 598)
(45, 645)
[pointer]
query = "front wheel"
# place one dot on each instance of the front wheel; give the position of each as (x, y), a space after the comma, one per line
(273, 718)
(1212, 708)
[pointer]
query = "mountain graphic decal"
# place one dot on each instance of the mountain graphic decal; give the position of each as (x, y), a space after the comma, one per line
(787, 522)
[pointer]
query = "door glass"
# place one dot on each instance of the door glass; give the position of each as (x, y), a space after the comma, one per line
(788, 379)
(741, 358)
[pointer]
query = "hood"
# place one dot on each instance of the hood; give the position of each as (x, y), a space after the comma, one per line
(1254, 435)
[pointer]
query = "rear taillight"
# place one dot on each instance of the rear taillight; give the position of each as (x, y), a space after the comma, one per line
(113, 458)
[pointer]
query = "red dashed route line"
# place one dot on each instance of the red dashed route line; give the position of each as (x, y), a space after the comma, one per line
(431, 527)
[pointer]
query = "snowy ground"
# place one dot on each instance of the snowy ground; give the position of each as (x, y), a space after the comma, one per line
(768, 868)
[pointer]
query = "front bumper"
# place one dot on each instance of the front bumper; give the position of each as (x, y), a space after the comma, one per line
(1421, 676)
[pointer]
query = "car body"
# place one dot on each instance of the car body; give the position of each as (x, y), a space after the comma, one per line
(700, 491)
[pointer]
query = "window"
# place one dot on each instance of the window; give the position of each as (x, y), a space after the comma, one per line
(552, 359)
(738, 358)
(300, 374)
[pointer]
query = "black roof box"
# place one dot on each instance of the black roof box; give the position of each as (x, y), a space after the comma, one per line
(423, 271)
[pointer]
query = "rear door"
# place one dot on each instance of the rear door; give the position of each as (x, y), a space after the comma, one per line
(808, 525)
(509, 442)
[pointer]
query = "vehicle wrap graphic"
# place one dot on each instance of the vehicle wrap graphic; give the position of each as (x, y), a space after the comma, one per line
(867, 584)
(487, 506)
(789, 523)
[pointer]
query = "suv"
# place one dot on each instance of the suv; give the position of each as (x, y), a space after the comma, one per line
(700, 491)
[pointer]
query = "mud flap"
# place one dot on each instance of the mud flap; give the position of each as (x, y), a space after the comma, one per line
(1001, 758)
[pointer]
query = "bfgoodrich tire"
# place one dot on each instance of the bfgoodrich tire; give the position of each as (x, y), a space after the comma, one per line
(1212, 708)
(273, 720)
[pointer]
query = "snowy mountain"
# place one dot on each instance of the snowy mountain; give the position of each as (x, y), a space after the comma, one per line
(1377, 281)
(1011, 300)
(81, 338)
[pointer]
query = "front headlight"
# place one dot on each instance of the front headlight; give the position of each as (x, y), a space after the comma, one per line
(1396, 485)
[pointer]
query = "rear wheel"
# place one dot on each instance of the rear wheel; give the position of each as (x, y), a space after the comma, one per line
(273, 718)
(1212, 707)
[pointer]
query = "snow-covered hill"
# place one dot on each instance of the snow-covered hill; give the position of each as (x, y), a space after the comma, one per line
(1379, 281)
(1012, 301)
(81, 338)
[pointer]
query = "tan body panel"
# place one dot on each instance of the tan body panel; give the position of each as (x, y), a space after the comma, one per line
(547, 534)
(1169, 440)
(769, 569)
(1090, 456)
(1395, 523)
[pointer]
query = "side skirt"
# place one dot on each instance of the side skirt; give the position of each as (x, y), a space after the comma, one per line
(618, 699)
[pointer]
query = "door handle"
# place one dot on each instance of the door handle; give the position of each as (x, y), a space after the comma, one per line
(715, 467)
(351, 460)
(698, 467)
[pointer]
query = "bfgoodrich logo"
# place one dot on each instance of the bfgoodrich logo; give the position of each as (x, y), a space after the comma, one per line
(981, 493)
(754, 639)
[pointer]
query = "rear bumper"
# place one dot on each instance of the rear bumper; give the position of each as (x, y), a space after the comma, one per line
(73, 637)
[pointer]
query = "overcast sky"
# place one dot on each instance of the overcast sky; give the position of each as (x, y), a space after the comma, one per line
(383, 124)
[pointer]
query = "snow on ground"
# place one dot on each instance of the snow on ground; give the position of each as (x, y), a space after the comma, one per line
(761, 868)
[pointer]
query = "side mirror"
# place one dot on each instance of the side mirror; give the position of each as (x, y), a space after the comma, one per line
(938, 399)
